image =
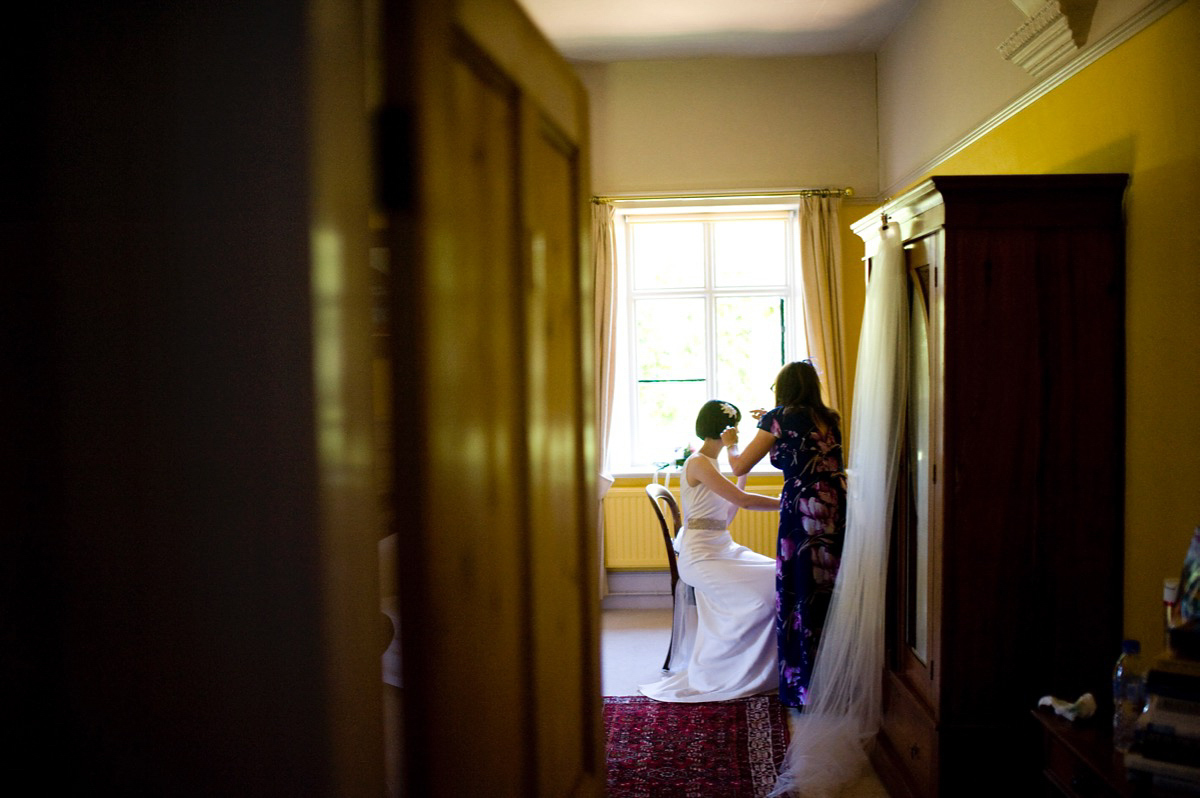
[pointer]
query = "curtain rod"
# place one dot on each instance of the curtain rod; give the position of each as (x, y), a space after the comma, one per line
(805, 192)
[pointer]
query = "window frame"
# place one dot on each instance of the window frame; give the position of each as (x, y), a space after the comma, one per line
(625, 398)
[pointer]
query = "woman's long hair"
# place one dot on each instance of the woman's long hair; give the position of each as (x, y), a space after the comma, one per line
(798, 389)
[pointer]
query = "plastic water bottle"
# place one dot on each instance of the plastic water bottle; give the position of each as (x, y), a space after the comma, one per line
(1129, 693)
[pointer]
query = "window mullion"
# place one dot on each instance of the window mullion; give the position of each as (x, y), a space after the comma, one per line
(792, 310)
(710, 310)
(634, 414)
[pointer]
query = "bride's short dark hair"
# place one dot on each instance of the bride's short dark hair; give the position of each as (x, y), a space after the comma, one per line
(715, 416)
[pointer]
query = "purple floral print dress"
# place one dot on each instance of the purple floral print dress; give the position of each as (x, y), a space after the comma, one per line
(812, 527)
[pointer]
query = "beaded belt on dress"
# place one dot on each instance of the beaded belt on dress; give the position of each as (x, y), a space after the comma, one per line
(707, 523)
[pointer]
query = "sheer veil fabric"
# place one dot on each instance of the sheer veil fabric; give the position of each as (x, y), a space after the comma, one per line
(829, 739)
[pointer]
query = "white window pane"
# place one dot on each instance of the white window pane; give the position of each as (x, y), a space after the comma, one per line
(691, 328)
(668, 254)
(666, 418)
(750, 252)
(669, 339)
(750, 340)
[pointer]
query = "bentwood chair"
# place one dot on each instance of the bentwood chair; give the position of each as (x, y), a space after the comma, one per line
(660, 496)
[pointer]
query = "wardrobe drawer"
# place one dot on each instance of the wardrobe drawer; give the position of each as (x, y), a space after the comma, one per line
(1071, 776)
(912, 735)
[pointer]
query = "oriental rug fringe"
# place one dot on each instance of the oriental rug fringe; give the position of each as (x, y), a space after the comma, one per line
(725, 749)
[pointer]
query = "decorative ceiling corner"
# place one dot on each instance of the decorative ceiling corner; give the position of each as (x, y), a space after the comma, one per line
(1053, 31)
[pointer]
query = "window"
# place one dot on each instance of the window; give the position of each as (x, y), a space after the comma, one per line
(709, 309)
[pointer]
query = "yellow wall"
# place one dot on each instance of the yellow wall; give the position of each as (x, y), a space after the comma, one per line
(758, 482)
(1137, 110)
(854, 299)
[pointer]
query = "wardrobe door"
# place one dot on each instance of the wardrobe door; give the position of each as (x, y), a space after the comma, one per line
(917, 545)
(907, 756)
(1033, 449)
(1032, 458)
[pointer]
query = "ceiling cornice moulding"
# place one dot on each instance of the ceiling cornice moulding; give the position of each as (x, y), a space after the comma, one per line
(1050, 34)
(1084, 58)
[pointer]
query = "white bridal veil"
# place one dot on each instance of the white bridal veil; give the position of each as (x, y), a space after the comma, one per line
(828, 740)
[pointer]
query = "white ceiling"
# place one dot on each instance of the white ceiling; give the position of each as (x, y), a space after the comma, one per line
(615, 30)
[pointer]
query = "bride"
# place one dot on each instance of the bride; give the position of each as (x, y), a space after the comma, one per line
(733, 653)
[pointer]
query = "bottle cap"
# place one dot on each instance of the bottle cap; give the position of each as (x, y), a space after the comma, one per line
(1131, 647)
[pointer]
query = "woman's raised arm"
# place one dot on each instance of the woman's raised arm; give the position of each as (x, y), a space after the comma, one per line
(742, 462)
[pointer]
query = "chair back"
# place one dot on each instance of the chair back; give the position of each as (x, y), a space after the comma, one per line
(660, 496)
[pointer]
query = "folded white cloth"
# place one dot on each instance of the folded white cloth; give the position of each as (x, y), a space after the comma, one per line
(1084, 707)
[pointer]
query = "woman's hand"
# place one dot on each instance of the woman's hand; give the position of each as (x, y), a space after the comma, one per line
(757, 413)
(729, 437)
(760, 444)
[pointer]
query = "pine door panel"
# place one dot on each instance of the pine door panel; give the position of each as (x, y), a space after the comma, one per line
(562, 605)
(494, 481)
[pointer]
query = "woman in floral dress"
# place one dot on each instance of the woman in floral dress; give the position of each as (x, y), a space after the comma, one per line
(804, 440)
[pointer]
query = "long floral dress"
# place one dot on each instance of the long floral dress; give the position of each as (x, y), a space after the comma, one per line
(812, 527)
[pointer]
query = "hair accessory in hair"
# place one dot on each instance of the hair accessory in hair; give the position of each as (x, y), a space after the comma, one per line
(728, 410)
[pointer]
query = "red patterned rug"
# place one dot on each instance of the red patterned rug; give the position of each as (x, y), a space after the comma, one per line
(725, 749)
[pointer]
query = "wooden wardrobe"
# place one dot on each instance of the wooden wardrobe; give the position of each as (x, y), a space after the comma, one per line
(1005, 579)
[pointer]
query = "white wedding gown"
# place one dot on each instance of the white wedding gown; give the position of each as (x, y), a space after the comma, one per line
(733, 650)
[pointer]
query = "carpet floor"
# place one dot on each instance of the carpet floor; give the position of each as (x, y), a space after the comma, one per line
(725, 749)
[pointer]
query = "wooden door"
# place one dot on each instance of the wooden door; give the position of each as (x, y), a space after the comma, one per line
(484, 187)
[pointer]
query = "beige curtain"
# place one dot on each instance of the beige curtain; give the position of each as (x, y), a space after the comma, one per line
(604, 259)
(821, 269)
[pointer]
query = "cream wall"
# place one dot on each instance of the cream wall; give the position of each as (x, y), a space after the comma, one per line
(1137, 110)
(726, 124)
